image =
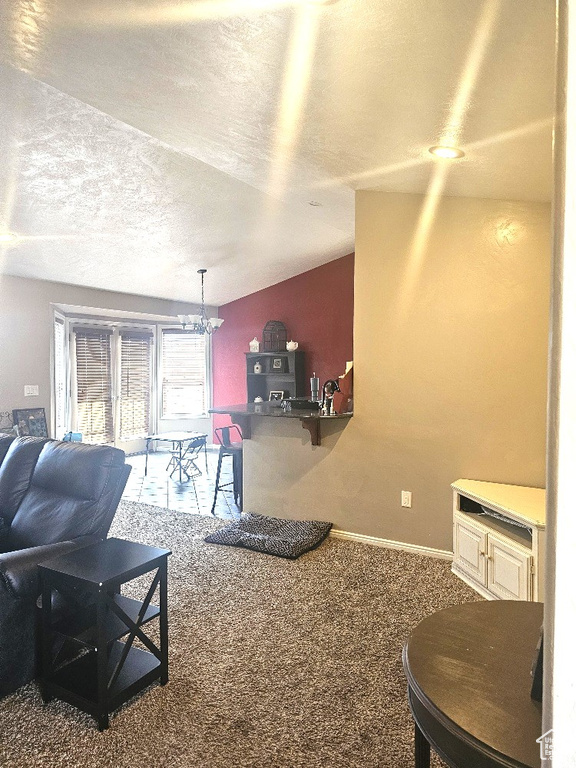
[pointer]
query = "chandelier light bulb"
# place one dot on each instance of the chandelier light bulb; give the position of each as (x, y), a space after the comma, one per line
(200, 323)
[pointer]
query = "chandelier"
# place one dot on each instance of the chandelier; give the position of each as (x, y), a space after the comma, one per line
(201, 323)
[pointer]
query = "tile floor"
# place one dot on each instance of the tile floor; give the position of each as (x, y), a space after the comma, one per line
(191, 496)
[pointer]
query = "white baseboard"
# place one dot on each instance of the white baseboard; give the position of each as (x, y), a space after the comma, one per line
(389, 544)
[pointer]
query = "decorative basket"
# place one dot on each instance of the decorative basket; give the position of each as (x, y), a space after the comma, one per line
(274, 336)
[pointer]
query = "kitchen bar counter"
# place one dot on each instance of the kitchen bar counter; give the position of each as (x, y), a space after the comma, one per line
(243, 414)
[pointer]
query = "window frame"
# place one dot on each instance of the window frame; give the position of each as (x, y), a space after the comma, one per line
(160, 377)
(132, 332)
(120, 321)
(104, 330)
(115, 325)
(59, 318)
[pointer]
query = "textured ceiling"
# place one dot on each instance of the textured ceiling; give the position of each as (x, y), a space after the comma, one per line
(143, 140)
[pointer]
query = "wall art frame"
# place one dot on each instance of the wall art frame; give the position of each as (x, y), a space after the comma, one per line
(30, 421)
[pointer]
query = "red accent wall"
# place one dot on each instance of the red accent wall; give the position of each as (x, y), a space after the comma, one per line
(317, 308)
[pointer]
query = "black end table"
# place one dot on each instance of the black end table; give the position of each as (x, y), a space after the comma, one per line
(469, 684)
(88, 631)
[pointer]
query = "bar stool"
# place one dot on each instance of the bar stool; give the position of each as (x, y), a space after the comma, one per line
(228, 447)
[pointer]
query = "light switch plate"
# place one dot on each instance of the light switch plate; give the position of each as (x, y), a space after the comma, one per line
(30, 390)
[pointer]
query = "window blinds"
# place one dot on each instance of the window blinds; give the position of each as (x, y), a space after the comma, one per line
(135, 383)
(183, 373)
(94, 384)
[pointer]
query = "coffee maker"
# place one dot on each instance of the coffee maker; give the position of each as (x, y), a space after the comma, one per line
(328, 389)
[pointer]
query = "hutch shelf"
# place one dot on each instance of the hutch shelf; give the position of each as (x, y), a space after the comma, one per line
(275, 372)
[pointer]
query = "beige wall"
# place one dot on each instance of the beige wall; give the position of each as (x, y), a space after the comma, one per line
(26, 325)
(450, 349)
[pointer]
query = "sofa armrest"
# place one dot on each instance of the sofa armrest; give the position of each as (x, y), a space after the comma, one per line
(19, 569)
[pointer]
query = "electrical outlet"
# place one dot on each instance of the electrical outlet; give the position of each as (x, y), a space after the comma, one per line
(406, 498)
(30, 390)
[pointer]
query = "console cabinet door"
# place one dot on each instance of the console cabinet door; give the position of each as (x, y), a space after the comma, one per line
(509, 570)
(470, 549)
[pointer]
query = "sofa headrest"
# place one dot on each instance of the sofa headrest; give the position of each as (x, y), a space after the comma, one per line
(74, 491)
(16, 471)
(77, 470)
(5, 441)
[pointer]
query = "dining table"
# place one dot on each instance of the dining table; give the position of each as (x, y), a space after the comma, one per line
(181, 443)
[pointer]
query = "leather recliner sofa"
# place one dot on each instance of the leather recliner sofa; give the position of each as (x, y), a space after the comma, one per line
(54, 497)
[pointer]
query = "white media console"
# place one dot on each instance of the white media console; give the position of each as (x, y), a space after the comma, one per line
(499, 539)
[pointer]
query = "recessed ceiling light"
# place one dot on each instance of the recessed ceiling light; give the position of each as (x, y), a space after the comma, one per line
(450, 153)
(8, 237)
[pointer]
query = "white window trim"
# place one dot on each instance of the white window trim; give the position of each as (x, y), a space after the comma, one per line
(120, 321)
(208, 396)
(116, 324)
(61, 317)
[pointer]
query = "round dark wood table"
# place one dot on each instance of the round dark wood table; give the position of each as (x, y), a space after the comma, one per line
(469, 683)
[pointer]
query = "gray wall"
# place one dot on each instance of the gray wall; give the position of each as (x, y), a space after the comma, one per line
(450, 360)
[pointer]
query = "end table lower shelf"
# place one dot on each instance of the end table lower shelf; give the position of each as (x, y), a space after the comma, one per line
(77, 682)
(105, 671)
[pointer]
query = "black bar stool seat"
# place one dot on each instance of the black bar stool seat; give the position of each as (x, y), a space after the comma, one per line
(234, 448)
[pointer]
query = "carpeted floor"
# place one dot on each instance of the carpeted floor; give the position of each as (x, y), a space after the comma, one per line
(273, 663)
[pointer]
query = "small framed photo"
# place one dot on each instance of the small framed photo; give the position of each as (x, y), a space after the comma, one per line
(276, 394)
(277, 363)
(30, 421)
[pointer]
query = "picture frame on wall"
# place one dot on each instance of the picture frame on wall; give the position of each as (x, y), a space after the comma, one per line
(276, 394)
(6, 423)
(278, 365)
(30, 421)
